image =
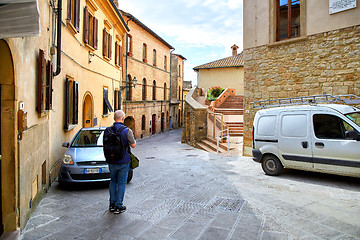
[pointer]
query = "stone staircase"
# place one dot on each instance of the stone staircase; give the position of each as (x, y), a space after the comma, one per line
(233, 106)
(209, 145)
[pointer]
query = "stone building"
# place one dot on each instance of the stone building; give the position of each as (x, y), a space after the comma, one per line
(149, 105)
(299, 48)
(66, 77)
(226, 73)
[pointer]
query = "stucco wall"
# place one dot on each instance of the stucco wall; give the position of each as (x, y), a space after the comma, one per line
(260, 16)
(223, 77)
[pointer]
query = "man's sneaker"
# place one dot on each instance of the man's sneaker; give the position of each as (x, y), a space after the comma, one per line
(120, 209)
(112, 208)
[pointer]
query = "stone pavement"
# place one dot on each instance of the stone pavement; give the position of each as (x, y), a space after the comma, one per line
(180, 192)
(176, 193)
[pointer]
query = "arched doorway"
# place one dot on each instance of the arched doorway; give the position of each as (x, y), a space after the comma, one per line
(88, 111)
(153, 124)
(8, 162)
(130, 123)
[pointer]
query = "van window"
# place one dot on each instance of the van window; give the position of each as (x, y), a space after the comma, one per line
(330, 126)
(294, 125)
(266, 126)
(355, 117)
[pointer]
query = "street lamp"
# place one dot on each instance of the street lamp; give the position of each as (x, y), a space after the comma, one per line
(134, 82)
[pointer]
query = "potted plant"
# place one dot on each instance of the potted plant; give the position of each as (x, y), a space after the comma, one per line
(224, 139)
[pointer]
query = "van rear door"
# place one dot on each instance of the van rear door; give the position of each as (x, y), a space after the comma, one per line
(294, 140)
(332, 152)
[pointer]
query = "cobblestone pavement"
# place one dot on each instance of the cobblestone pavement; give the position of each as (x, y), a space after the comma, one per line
(179, 192)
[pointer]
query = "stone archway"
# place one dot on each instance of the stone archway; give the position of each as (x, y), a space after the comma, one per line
(8, 163)
(88, 111)
(130, 123)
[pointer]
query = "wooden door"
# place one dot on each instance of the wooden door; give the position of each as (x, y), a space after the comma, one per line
(153, 124)
(87, 112)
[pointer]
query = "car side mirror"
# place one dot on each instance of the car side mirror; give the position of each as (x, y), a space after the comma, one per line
(353, 135)
(66, 144)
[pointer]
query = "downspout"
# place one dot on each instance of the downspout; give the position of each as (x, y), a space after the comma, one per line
(58, 40)
(171, 51)
(126, 62)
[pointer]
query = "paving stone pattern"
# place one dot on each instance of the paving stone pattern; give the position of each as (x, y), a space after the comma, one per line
(176, 193)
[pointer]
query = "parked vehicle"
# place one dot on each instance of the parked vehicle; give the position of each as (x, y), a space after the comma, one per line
(314, 137)
(84, 160)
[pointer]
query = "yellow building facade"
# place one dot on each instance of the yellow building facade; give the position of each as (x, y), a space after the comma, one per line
(51, 86)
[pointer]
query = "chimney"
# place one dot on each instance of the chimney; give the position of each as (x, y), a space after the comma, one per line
(116, 3)
(234, 50)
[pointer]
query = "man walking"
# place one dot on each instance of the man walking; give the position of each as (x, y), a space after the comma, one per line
(119, 168)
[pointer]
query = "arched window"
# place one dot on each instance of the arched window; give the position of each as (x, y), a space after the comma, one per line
(165, 63)
(144, 53)
(154, 57)
(129, 48)
(144, 89)
(143, 122)
(179, 94)
(154, 90)
(128, 88)
(164, 91)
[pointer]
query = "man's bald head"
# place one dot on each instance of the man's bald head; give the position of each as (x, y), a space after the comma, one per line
(119, 116)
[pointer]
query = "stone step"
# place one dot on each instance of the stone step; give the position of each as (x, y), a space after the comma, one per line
(221, 145)
(205, 147)
(229, 111)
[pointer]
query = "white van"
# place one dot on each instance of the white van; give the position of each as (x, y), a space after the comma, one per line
(314, 137)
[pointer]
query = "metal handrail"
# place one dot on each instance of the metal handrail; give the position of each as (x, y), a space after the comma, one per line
(326, 98)
(218, 138)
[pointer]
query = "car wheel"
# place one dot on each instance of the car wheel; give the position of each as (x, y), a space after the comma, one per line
(271, 165)
(130, 175)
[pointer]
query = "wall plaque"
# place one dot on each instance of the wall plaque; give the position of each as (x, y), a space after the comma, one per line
(341, 5)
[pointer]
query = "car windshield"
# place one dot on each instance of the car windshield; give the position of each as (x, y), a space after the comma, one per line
(355, 117)
(88, 138)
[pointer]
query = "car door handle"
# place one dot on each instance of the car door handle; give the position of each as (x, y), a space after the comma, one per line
(304, 144)
(319, 145)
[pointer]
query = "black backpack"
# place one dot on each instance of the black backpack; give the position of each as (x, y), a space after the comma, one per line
(113, 144)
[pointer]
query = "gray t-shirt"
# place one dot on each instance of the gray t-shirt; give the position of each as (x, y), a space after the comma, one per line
(130, 136)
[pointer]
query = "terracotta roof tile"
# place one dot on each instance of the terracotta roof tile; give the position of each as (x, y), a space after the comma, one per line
(233, 61)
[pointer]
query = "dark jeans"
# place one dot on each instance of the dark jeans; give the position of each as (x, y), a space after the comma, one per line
(118, 175)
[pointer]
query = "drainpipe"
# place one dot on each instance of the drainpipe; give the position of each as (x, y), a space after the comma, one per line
(171, 51)
(58, 40)
(126, 62)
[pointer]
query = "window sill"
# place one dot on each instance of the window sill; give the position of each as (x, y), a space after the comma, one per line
(106, 115)
(287, 41)
(70, 127)
(71, 26)
(91, 48)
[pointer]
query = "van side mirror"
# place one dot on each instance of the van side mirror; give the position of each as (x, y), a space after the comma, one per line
(66, 144)
(353, 135)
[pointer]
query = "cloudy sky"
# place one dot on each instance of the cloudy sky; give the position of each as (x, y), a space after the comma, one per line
(200, 30)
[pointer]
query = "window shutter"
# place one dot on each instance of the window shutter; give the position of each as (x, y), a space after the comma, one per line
(119, 99)
(120, 55)
(40, 91)
(77, 15)
(116, 53)
(76, 102)
(104, 41)
(67, 103)
(86, 25)
(96, 24)
(49, 89)
(110, 45)
(69, 10)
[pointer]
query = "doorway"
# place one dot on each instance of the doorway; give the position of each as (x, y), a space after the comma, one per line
(153, 124)
(162, 122)
(1, 224)
(88, 111)
(130, 123)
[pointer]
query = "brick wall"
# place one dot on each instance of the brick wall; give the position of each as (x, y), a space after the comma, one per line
(323, 63)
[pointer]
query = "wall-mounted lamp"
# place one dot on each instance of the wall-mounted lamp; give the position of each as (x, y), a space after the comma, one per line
(91, 56)
(134, 82)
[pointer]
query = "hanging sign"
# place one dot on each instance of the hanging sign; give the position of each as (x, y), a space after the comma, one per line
(341, 5)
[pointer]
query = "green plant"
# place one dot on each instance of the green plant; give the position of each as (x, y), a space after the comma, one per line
(214, 92)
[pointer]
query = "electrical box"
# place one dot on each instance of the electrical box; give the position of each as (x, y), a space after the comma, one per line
(22, 121)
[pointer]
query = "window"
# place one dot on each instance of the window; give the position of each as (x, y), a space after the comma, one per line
(294, 125)
(154, 57)
(179, 93)
(44, 88)
(106, 104)
(73, 17)
(143, 121)
(129, 46)
(330, 127)
(144, 53)
(117, 100)
(118, 54)
(90, 29)
(179, 73)
(129, 88)
(107, 39)
(71, 103)
(164, 91)
(165, 63)
(144, 89)
(154, 90)
(288, 19)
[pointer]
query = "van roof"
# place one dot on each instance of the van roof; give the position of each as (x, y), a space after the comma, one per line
(344, 109)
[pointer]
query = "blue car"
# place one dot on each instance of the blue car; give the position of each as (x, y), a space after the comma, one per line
(84, 160)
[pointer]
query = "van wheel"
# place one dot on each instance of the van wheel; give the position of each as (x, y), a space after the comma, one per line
(271, 165)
